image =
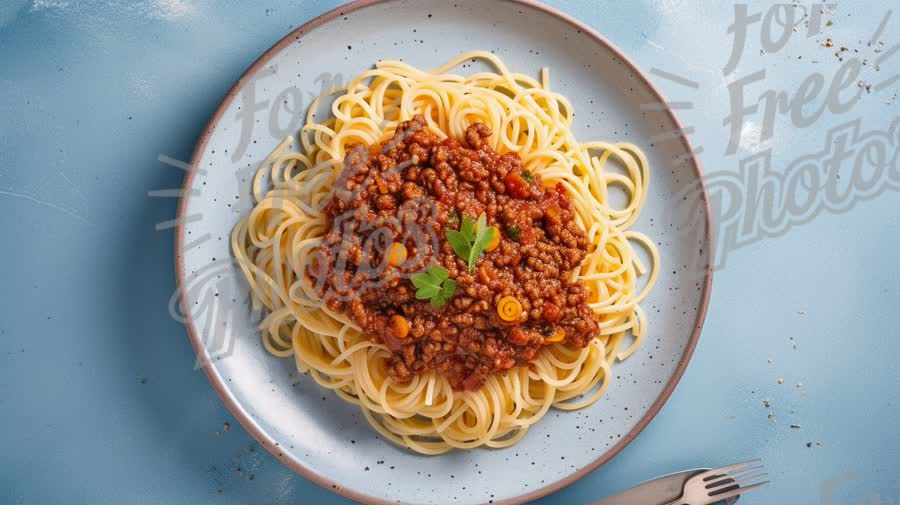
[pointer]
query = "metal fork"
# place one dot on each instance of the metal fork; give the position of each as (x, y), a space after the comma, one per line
(719, 484)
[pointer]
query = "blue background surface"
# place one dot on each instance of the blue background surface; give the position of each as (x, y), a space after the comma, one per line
(100, 401)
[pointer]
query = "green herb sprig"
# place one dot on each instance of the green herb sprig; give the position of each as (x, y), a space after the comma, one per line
(470, 241)
(434, 284)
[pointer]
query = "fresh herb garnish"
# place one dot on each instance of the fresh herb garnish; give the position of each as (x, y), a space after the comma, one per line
(469, 242)
(514, 232)
(546, 331)
(528, 176)
(434, 284)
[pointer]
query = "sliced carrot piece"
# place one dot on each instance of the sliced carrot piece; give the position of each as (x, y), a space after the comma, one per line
(495, 242)
(509, 309)
(557, 336)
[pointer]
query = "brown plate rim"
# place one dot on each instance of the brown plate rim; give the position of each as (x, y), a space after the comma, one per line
(270, 444)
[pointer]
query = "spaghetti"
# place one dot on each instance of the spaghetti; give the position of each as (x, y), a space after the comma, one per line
(276, 243)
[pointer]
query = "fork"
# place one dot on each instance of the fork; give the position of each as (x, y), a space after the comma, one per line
(719, 484)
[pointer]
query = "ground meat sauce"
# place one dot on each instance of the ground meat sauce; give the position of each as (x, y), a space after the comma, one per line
(416, 181)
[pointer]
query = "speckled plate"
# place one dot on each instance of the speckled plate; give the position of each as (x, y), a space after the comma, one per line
(328, 440)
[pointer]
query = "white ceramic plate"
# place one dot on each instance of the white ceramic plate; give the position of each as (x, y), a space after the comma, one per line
(328, 440)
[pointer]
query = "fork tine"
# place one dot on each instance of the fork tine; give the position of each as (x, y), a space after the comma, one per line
(718, 472)
(738, 491)
(727, 485)
(732, 477)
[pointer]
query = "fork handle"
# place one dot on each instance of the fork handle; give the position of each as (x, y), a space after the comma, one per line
(676, 502)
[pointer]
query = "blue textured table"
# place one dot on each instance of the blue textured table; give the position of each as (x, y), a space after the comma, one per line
(100, 401)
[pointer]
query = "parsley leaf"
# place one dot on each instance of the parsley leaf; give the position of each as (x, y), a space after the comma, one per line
(528, 176)
(472, 238)
(449, 288)
(434, 284)
(445, 294)
(514, 232)
(483, 236)
(440, 274)
(460, 241)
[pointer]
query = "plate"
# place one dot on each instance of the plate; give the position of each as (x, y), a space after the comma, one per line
(309, 428)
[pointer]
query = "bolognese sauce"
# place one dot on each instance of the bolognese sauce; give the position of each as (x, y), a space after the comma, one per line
(386, 222)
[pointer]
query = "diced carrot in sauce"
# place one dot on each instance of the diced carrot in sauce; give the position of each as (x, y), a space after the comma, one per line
(551, 215)
(396, 254)
(516, 186)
